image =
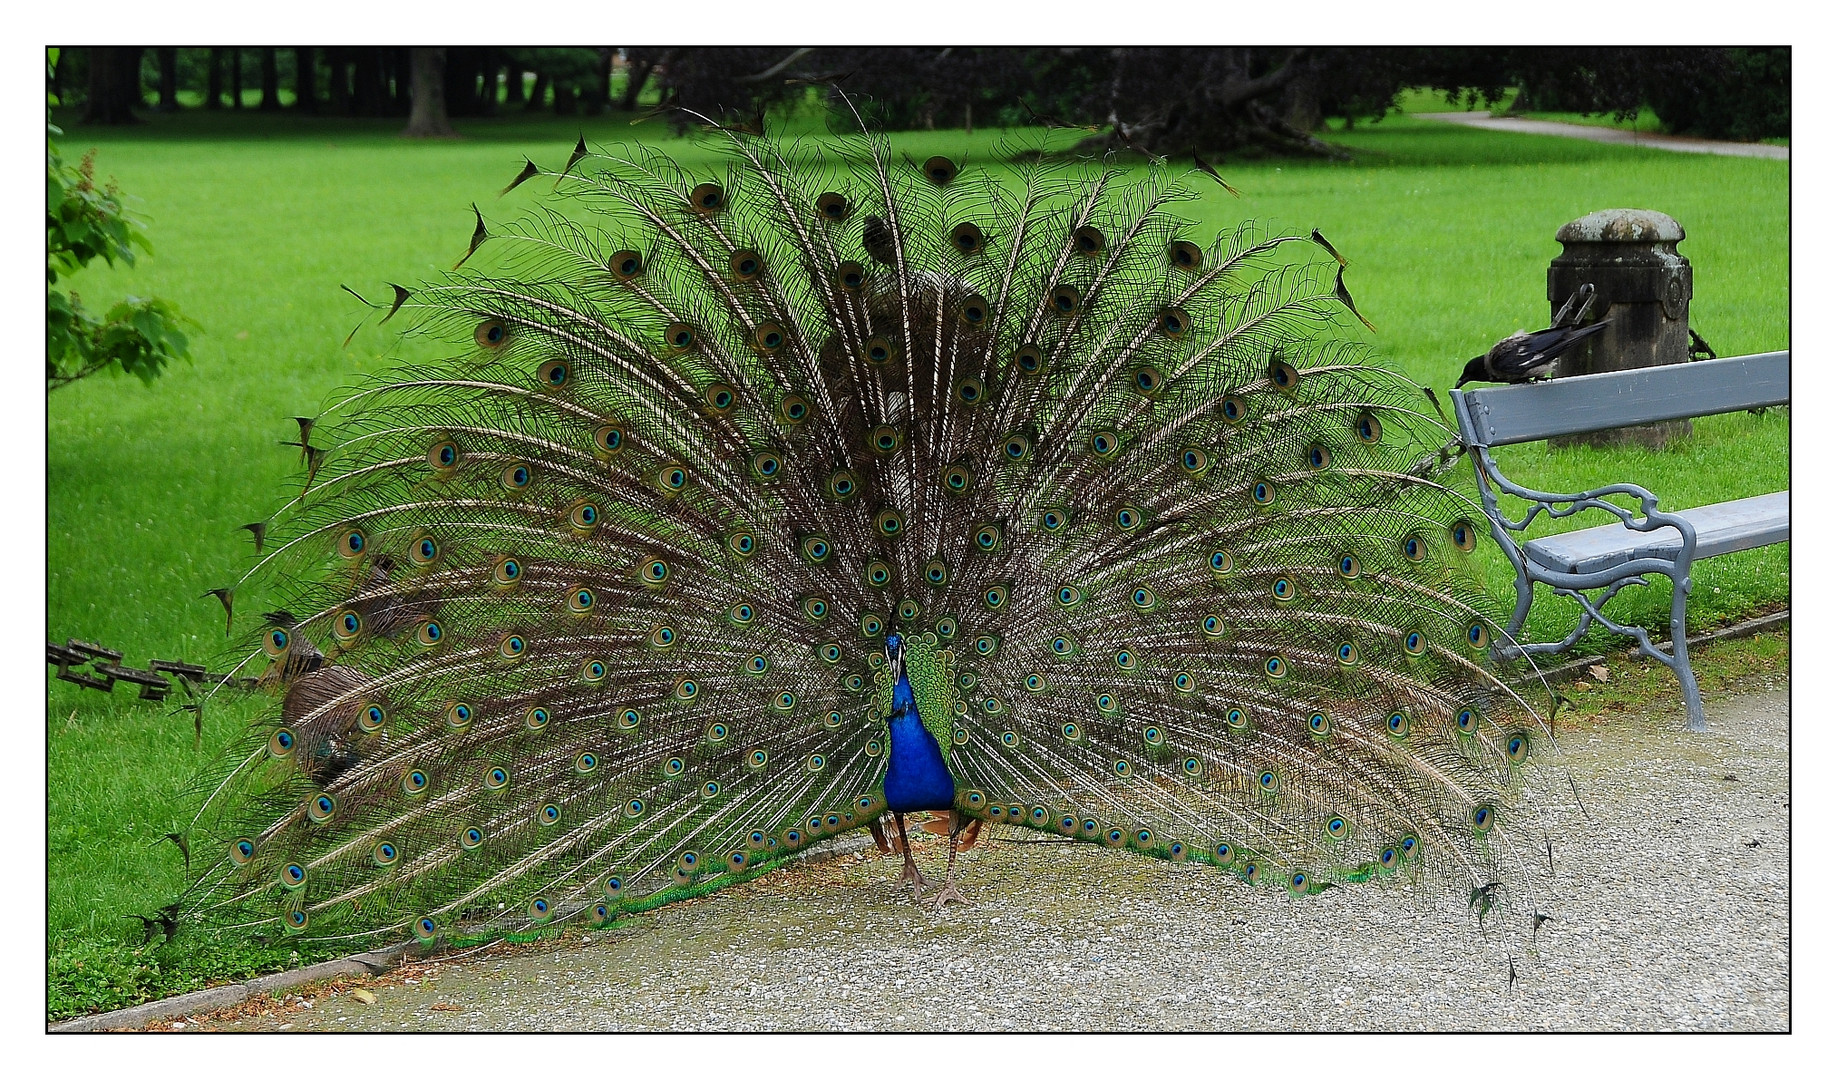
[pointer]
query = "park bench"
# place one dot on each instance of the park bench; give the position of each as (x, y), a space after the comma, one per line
(1607, 558)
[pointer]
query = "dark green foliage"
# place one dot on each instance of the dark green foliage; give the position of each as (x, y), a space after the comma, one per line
(1747, 96)
(85, 222)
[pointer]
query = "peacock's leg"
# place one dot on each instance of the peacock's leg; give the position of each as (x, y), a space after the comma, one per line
(910, 875)
(948, 893)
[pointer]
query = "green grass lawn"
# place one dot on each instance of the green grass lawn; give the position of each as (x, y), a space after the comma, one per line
(258, 220)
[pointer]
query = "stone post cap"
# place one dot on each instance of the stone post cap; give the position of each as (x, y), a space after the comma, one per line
(1621, 227)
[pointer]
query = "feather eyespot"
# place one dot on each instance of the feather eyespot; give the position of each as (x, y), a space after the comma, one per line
(625, 265)
(884, 439)
(831, 206)
(1088, 240)
(957, 479)
(444, 455)
(1282, 374)
(584, 517)
(491, 334)
(940, 170)
(769, 338)
(680, 337)
(746, 265)
(967, 239)
(1185, 255)
(720, 399)
(843, 484)
(794, 408)
(609, 439)
(707, 199)
(352, 542)
(347, 625)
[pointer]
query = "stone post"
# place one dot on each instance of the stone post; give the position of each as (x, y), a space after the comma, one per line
(1644, 286)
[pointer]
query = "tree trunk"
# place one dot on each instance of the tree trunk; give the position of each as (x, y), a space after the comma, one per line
(370, 90)
(401, 81)
(271, 81)
(340, 85)
(235, 78)
(305, 81)
(488, 68)
(213, 84)
(427, 118)
(114, 85)
(168, 78)
(513, 85)
(637, 73)
(598, 96)
(537, 92)
(567, 98)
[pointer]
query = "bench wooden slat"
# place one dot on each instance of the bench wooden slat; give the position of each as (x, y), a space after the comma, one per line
(1503, 415)
(1721, 528)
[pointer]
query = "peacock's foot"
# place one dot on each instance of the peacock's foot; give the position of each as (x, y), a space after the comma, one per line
(948, 895)
(911, 878)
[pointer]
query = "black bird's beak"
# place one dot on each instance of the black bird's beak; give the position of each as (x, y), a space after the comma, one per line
(1474, 371)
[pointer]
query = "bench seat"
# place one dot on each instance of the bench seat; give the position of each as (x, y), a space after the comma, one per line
(1721, 528)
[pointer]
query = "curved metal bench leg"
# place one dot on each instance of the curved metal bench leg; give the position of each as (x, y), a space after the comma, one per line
(1680, 655)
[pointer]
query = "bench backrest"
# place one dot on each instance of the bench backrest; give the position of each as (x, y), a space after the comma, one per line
(1502, 415)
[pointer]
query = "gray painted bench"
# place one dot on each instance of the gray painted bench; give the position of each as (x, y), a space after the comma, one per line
(1610, 557)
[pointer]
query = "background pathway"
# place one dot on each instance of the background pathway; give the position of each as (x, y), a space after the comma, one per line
(1652, 140)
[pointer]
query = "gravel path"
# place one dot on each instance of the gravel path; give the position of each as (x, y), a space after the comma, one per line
(1667, 918)
(1651, 140)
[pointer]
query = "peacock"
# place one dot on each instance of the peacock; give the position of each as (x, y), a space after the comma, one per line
(750, 506)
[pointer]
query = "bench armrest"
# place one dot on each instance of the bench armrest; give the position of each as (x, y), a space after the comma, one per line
(1567, 504)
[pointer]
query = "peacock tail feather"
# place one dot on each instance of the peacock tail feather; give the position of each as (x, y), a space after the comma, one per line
(597, 606)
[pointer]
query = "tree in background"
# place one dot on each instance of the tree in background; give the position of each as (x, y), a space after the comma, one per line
(427, 117)
(1171, 101)
(1165, 101)
(85, 222)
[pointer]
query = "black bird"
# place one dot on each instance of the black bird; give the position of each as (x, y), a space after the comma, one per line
(1524, 357)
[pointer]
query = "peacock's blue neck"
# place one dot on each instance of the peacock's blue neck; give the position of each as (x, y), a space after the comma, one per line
(917, 778)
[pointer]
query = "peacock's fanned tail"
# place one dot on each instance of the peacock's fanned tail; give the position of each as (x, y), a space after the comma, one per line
(596, 607)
